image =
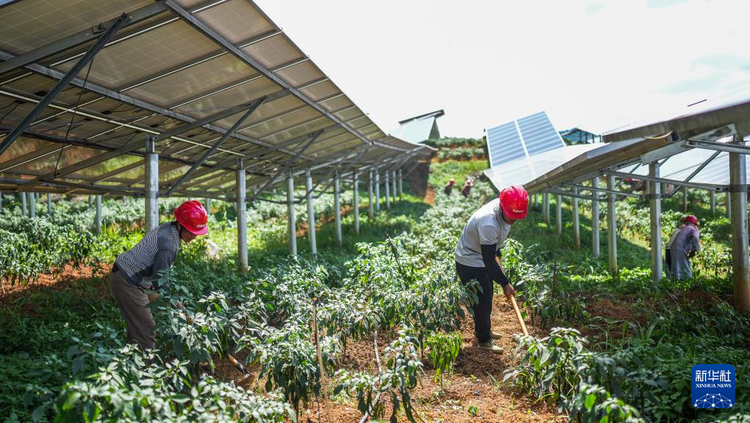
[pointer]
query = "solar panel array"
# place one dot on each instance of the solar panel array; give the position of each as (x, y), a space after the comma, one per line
(524, 137)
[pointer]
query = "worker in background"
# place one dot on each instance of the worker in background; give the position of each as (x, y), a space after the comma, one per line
(477, 248)
(139, 269)
(682, 246)
(466, 190)
(449, 187)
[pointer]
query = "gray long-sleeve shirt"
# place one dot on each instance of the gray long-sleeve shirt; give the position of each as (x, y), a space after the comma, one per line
(145, 263)
(684, 241)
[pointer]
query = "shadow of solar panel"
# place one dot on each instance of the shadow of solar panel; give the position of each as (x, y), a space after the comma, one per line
(504, 144)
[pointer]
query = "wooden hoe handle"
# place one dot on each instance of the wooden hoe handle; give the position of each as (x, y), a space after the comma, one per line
(515, 308)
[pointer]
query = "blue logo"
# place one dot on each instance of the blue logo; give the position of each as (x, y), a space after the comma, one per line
(713, 386)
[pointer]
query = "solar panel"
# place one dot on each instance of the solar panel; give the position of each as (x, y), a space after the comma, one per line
(527, 136)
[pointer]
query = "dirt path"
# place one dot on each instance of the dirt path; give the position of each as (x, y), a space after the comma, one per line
(475, 382)
(429, 196)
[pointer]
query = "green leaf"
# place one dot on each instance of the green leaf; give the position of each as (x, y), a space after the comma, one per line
(38, 413)
(590, 401)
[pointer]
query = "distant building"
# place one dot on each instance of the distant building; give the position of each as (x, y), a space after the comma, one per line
(419, 128)
(578, 136)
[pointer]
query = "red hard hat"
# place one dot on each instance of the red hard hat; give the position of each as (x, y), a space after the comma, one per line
(515, 202)
(690, 219)
(452, 181)
(192, 216)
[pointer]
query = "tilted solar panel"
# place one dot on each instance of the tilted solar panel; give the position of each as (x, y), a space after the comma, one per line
(523, 137)
(504, 144)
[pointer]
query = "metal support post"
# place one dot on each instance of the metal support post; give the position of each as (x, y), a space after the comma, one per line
(23, 204)
(1, 201)
(545, 208)
(369, 195)
(595, 219)
(387, 192)
(356, 201)
(654, 193)
(98, 225)
(738, 182)
(393, 180)
(685, 199)
(32, 204)
(377, 190)
(612, 225)
(49, 204)
(292, 226)
(713, 201)
(400, 184)
(310, 215)
(337, 207)
(151, 185)
(241, 207)
(728, 204)
(208, 205)
(576, 226)
(558, 209)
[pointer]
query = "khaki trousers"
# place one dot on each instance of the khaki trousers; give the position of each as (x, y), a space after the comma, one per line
(133, 303)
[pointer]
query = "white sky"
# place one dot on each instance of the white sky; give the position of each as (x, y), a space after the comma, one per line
(597, 64)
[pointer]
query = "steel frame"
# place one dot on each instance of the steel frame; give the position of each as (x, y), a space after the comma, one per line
(63, 82)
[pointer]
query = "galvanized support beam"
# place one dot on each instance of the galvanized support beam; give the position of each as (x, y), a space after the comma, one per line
(1, 201)
(714, 187)
(24, 211)
(241, 207)
(24, 124)
(545, 208)
(393, 180)
(654, 191)
(208, 205)
(377, 190)
(49, 204)
(310, 215)
(400, 184)
(685, 199)
(738, 181)
(387, 191)
(98, 225)
(712, 194)
(355, 202)
(728, 204)
(595, 219)
(612, 226)
(337, 207)
(151, 186)
(558, 209)
(576, 226)
(292, 225)
(369, 195)
(312, 137)
(254, 106)
(32, 204)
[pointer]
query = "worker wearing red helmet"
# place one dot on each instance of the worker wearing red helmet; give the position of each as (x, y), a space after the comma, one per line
(139, 269)
(448, 189)
(681, 247)
(475, 253)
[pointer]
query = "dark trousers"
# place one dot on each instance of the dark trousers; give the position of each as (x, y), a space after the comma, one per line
(483, 309)
(133, 303)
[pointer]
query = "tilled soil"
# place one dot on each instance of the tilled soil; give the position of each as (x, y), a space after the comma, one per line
(85, 281)
(476, 381)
